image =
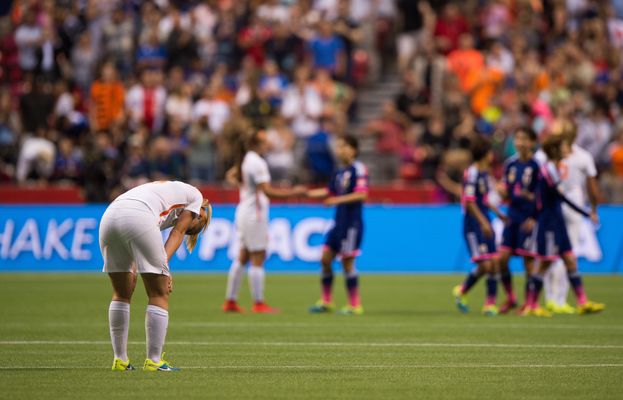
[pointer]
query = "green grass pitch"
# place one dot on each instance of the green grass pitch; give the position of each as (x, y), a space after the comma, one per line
(411, 343)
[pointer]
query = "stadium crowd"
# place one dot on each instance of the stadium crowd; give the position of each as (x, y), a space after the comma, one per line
(111, 94)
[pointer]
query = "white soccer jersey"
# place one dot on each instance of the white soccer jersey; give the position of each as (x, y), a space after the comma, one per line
(166, 199)
(575, 169)
(253, 203)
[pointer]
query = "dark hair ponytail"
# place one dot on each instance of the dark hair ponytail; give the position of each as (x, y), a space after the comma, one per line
(246, 141)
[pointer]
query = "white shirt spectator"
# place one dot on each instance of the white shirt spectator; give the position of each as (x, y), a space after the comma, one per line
(217, 112)
(36, 154)
(273, 13)
(135, 105)
(594, 135)
(27, 38)
(180, 108)
(303, 109)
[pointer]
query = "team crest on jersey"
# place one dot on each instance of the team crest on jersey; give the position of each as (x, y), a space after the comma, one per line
(482, 186)
(345, 180)
(483, 248)
(527, 176)
(512, 174)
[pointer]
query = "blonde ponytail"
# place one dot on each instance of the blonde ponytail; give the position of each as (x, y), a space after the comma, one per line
(191, 240)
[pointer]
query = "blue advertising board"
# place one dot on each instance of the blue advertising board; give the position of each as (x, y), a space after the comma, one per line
(409, 239)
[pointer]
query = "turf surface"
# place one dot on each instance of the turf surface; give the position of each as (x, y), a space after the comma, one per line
(411, 343)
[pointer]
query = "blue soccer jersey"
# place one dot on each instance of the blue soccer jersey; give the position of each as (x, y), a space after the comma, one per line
(520, 180)
(476, 189)
(552, 239)
(346, 235)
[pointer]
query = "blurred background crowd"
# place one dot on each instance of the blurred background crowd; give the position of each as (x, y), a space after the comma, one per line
(111, 94)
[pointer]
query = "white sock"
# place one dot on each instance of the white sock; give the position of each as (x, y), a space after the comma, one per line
(156, 322)
(256, 283)
(234, 279)
(548, 285)
(561, 281)
(119, 324)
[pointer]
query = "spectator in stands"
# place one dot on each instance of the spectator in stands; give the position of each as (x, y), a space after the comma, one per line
(595, 132)
(36, 157)
(107, 99)
(179, 105)
(348, 30)
(118, 40)
(389, 130)
(449, 27)
(302, 105)
(413, 16)
(181, 46)
(273, 83)
(214, 109)
(326, 50)
(28, 38)
(252, 40)
(145, 101)
(285, 48)
(202, 157)
(135, 169)
(412, 101)
(280, 156)
(68, 163)
(83, 61)
(434, 142)
(36, 105)
(162, 166)
(151, 53)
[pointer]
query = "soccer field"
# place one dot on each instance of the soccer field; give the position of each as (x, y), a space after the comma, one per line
(411, 343)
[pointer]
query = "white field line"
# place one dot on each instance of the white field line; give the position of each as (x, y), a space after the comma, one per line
(324, 344)
(337, 367)
(353, 325)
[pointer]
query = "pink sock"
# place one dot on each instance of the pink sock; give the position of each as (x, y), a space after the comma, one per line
(580, 295)
(326, 293)
(353, 297)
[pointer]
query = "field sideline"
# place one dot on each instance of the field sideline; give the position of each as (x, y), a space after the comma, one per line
(411, 343)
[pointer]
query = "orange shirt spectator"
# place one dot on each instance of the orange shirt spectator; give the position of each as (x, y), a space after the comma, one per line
(467, 63)
(107, 99)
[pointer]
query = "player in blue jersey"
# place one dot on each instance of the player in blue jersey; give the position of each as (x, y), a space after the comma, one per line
(477, 228)
(518, 187)
(551, 236)
(348, 190)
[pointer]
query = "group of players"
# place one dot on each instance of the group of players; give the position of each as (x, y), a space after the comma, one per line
(131, 241)
(545, 191)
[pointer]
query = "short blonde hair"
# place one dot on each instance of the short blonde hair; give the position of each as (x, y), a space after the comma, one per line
(191, 240)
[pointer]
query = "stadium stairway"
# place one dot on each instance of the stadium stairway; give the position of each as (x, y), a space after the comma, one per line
(370, 101)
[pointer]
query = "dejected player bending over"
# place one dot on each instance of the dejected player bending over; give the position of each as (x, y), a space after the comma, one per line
(131, 241)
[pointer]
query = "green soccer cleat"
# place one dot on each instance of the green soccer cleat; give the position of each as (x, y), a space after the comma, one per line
(162, 366)
(350, 310)
(590, 308)
(460, 299)
(120, 365)
(490, 310)
(563, 309)
(321, 307)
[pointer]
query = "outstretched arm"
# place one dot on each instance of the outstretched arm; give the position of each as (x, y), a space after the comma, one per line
(278, 193)
(347, 198)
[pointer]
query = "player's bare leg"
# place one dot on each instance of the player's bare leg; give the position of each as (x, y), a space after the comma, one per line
(234, 280)
(123, 284)
(158, 288)
(325, 304)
